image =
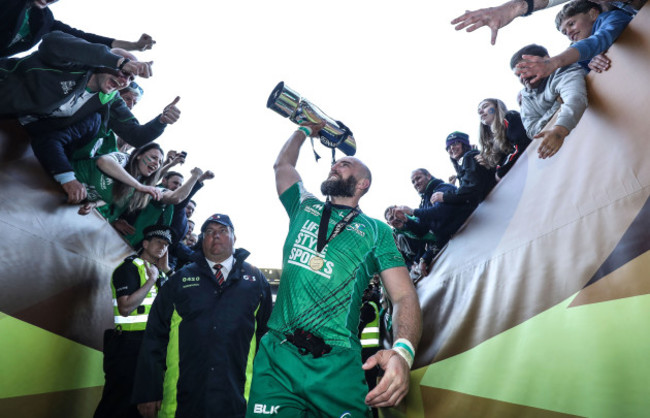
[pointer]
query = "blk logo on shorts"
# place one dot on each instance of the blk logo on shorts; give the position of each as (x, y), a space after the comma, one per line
(260, 408)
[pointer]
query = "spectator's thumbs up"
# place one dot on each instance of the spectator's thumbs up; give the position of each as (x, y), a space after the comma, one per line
(171, 113)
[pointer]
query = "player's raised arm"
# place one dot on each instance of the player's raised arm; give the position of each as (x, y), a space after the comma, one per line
(286, 174)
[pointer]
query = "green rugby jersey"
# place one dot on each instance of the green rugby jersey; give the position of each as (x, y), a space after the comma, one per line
(327, 302)
(100, 185)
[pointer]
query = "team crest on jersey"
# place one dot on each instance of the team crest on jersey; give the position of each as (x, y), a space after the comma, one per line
(357, 227)
(105, 182)
(93, 195)
(68, 86)
(249, 278)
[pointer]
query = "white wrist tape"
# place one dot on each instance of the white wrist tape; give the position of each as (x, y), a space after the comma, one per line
(404, 348)
(405, 355)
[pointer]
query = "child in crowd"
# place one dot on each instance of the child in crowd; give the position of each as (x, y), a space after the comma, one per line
(591, 32)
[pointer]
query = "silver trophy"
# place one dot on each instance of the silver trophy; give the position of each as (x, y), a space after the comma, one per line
(289, 104)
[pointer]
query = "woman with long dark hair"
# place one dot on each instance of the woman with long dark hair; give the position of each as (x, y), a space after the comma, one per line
(121, 181)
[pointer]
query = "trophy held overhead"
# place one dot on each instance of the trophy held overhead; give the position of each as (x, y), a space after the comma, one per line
(289, 104)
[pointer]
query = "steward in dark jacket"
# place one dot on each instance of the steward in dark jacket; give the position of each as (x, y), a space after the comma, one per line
(215, 331)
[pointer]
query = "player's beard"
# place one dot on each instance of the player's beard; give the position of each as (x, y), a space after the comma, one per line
(338, 187)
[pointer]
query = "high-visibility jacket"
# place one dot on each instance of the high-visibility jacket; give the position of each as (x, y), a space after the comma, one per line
(137, 320)
(370, 333)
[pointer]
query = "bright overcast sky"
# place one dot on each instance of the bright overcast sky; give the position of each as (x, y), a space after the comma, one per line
(396, 73)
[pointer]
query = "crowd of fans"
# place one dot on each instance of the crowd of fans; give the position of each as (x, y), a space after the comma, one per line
(75, 94)
(552, 102)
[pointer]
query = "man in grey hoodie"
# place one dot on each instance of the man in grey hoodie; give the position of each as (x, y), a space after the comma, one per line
(564, 92)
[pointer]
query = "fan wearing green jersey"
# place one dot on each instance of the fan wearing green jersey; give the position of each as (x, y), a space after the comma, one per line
(309, 363)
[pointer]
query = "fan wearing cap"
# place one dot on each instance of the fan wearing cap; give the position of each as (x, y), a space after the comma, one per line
(475, 182)
(132, 94)
(135, 284)
(203, 332)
